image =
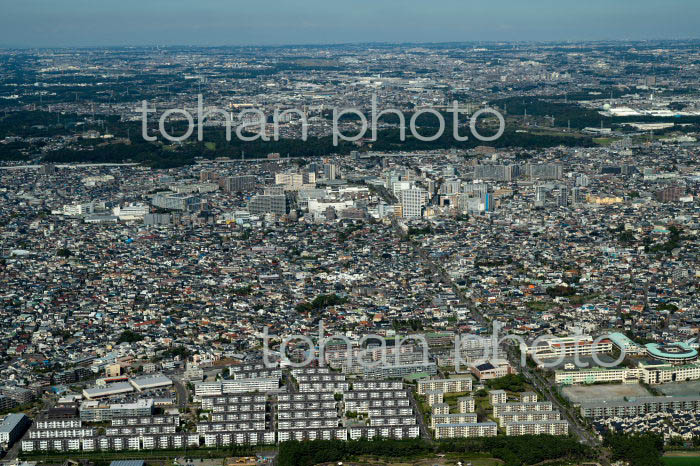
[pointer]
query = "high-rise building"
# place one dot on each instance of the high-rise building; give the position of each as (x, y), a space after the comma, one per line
(563, 195)
(488, 202)
(495, 172)
(540, 196)
(330, 171)
(268, 204)
(183, 202)
(544, 171)
(235, 184)
(669, 194)
(412, 202)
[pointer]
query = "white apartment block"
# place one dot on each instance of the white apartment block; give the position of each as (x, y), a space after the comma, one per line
(58, 424)
(538, 427)
(378, 385)
(498, 397)
(441, 408)
(208, 402)
(462, 384)
(505, 418)
(329, 433)
(259, 384)
(335, 387)
(364, 406)
(434, 396)
(466, 404)
(412, 202)
(224, 439)
(521, 407)
(459, 418)
(466, 430)
(396, 432)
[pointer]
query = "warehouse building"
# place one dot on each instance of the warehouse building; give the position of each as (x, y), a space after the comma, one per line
(118, 388)
(149, 382)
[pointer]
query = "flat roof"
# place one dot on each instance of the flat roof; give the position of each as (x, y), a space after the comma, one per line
(466, 424)
(127, 463)
(11, 421)
(620, 339)
(119, 387)
(157, 379)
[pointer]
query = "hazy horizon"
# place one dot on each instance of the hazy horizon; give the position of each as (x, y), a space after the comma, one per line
(82, 23)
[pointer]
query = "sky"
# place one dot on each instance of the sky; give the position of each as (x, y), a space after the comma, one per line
(70, 23)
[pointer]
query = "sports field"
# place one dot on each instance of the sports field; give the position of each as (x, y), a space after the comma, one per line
(612, 392)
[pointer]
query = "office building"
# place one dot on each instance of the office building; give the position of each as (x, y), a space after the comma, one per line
(412, 202)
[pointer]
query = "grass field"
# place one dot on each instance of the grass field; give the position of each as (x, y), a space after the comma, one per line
(433, 461)
(681, 460)
(603, 141)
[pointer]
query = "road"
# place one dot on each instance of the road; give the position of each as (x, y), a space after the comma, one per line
(546, 389)
(181, 392)
(424, 432)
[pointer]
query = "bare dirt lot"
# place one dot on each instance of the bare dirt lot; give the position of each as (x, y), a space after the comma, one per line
(680, 388)
(586, 393)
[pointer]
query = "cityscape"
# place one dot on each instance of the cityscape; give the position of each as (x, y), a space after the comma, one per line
(366, 253)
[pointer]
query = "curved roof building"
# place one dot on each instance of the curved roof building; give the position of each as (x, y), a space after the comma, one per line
(672, 352)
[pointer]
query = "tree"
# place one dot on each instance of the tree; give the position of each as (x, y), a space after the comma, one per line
(128, 336)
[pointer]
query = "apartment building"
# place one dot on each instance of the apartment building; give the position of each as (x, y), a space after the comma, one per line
(505, 418)
(434, 396)
(466, 430)
(395, 432)
(260, 384)
(210, 402)
(521, 407)
(459, 418)
(440, 408)
(466, 404)
(312, 433)
(456, 385)
(559, 427)
(498, 397)
(639, 406)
